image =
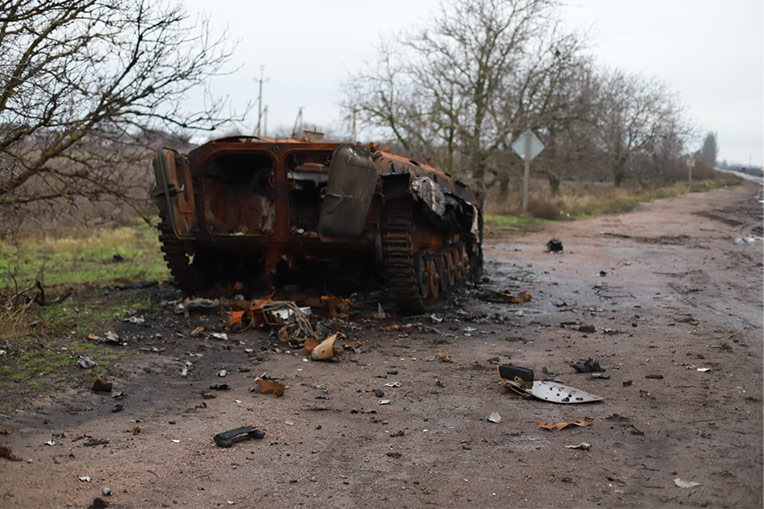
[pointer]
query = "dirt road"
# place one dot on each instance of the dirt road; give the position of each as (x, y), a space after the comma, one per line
(674, 290)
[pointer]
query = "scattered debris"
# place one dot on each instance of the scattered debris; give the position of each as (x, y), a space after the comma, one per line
(7, 453)
(380, 312)
(654, 376)
(603, 273)
(627, 383)
(310, 344)
(199, 304)
(589, 328)
(378, 393)
(325, 350)
(285, 315)
(101, 385)
(228, 438)
(92, 442)
(84, 478)
(442, 357)
(636, 431)
(703, 370)
(393, 384)
(585, 366)
(137, 320)
(520, 380)
(106, 491)
(685, 484)
(219, 387)
(584, 446)
(494, 417)
(86, 362)
(554, 246)
(562, 425)
(222, 373)
(270, 386)
(505, 297)
(599, 376)
(235, 318)
(384, 401)
(219, 335)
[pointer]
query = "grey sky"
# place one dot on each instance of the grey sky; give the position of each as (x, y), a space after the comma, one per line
(709, 51)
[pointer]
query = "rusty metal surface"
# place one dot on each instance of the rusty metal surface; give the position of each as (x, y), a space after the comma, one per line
(249, 208)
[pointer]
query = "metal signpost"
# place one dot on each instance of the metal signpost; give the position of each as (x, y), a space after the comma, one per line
(527, 146)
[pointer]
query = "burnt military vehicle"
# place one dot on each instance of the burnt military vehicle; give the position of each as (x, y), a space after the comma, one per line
(247, 210)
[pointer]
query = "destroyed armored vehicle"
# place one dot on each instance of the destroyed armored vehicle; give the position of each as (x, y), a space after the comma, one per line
(254, 212)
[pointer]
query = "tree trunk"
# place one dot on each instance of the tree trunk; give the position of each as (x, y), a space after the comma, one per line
(554, 183)
(503, 188)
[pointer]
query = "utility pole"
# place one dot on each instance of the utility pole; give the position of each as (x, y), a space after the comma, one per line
(297, 122)
(258, 130)
(265, 120)
(353, 125)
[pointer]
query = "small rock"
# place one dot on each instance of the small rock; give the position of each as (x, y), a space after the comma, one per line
(494, 417)
(106, 491)
(84, 478)
(384, 401)
(379, 393)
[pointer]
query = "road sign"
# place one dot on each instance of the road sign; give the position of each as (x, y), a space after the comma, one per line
(527, 146)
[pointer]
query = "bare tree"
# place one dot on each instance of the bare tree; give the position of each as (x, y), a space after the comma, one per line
(709, 151)
(457, 90)
(635, 117)
(82, 85)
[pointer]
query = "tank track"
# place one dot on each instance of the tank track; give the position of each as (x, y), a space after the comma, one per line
(417, 279)
(403, 280)
(175, 253)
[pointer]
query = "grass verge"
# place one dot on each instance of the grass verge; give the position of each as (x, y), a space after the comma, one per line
(103, 256)
(40, 345)
(586, 203)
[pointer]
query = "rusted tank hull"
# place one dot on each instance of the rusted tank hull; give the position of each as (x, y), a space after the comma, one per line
(244, 211)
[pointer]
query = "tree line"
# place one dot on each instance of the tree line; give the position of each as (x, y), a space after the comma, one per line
(461, 88)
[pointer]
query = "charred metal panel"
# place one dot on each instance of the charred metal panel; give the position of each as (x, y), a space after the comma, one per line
(352, 182)
(238, 197)
(430, 193)
(174, 185)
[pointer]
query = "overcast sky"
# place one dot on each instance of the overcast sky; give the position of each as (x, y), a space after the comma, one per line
(710, 52)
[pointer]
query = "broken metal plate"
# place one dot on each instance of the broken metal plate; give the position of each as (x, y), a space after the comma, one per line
(558, 393)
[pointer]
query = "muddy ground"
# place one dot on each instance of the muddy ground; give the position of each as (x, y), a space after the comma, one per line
(677, 283)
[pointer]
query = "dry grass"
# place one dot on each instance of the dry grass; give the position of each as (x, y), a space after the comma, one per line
(593, 198)
(13, 322)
